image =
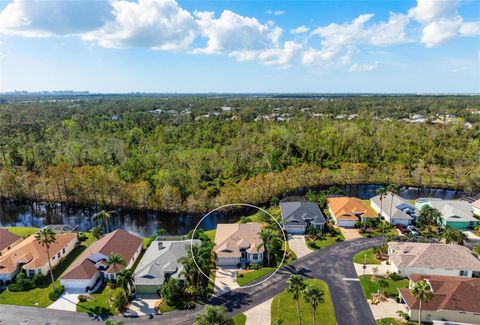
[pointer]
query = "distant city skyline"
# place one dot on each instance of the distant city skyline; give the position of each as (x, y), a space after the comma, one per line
(167, 46)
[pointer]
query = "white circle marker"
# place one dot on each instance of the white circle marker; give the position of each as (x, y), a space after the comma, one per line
(246, 205)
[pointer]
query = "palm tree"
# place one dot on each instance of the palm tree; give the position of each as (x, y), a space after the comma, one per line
(46, 237)
(115, 260)
(125, 279)
(296, 284)
(392, 189)
(452, 235)
(160, 232)
(382, 192)
(104, 216)
(270, 241)
(423, 292)
(97, 232)
(314, 296)
(430, 216)
(214, 315)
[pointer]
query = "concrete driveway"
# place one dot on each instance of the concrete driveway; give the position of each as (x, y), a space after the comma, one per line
(350, 233)
(298, 245)
(260, 314)
(67, 302)
(144, 304)
(225, 281)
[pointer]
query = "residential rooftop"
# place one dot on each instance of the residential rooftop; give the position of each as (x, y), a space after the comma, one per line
(402, 209)
(301, 213)
(230, 238)
(7, 238)
(451, 210)
(348, 208)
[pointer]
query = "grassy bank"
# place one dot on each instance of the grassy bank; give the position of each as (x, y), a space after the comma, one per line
(366, 256)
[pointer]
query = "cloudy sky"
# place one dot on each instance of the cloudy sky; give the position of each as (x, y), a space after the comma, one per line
(240, 46)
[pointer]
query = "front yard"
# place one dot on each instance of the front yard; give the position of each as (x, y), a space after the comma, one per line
(370, 285)
(367, 256)
(101, 303)
(394, 321)
(326, 240)
(244, 277)
(284, 308)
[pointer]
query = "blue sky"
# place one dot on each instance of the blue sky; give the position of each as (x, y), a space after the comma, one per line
(240, 46)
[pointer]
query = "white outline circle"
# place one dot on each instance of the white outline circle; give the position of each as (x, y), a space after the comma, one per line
(247, 205)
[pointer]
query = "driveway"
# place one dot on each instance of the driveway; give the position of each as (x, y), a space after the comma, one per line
(387, 309)
(67, 301)
(225, 281)
(260, 314)
(350, 233)
(144, 304)
(298, 245)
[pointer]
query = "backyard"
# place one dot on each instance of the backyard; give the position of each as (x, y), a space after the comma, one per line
(23, 232)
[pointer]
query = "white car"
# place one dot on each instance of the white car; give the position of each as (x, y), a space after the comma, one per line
(413, 230)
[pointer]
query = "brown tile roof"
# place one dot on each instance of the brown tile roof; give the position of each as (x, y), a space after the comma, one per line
(7, 238)
(32, 253)
(449, 293)
(119, 241)
(230, 238)
(476, 204)
(437, 256)
(346, 208)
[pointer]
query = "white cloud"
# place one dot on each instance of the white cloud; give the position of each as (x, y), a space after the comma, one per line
(440, 30)
(470, 28)
(363, 67)
(428, 10)
(37, 18)
(300, 30)
(157, 24)
(275, 12)
(391, 32)
(281, 56)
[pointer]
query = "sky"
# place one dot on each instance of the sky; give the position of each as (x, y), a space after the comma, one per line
(165, 46)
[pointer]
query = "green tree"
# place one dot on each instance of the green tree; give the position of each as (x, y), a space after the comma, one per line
(46, 237)
(97, 232)
(116, 260)
(430, 216)
(452, 235)
(171, 291)
(296, 284)
(313, 295)
(270, 242)
(214, 315)
(105, 216)
(382, 193)
(120, 300)
(392, 189)
(125, 279)
(422, 291)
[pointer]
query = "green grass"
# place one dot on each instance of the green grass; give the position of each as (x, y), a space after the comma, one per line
(22, 231)
(239, 319)
(284, 307)
(370, 286)
(476, 249)
(393, 321)
(164, 308)
(327, 240)
(38, 297)
(253, 275)
(370, 257)
(100, 305)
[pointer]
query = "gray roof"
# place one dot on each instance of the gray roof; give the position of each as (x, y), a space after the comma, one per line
(452, 210)
(401, 209)
(300, 213)
(160, 259)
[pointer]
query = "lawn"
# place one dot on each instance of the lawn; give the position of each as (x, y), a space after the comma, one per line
(22, 231)
(38, 297)
(284, 307)
(366, 256)
(247, 277)
(327, 240)
(370, 286)
(476, 249)
(100, 305)
(239, 319)
(394, 321)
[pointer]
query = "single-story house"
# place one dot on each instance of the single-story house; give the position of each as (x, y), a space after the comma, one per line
(346, 211)
(476, 207)
(238, 244)
(31, 256)
(403, 213)
(92, 265)
(297, 216)
(161, 260)
(8, 240)
(455, 213)
(455, 299)
(436, 259)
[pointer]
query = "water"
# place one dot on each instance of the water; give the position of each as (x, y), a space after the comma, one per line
(146, 223)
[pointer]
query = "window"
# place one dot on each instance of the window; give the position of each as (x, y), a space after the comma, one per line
(63, 250)
(58, 254)
(255, 256)
(31, 272)
(39, 271)
(463, 273)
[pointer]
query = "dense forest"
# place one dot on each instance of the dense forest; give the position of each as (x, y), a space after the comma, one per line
(190, 153)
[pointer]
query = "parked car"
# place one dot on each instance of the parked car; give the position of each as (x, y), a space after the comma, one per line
(401, 228)
(130, 314)
(413, 230)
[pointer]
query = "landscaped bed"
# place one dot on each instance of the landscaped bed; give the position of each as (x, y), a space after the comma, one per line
(327, 240)
(101, 303)
(367, 256)
(371, 285)
(284, 307)
(394, 321)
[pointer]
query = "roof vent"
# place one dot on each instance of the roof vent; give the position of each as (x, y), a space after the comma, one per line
(160, 245)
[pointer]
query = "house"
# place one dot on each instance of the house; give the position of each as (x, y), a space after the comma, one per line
(476, 208)
(346, 211)
(436, 259)
(454, 213)
(161, 260)
(455, 299)
(7, 240)
(92, 266)
(31, 256)
(297, 216)
(402, 212)
(238, 244)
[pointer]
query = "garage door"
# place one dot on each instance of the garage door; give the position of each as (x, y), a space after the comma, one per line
(346, 223)
(400, 222)
(227, 262)
(139, 289)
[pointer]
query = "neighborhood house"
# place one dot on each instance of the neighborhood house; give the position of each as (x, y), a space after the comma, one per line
(31, 256)
(401, 212)
(7, 240)
(455, 299)
(346, 211)
(476, 208)
(297, 216)
(454, 213)
(92, 265)
(408, 258)
(161, 260)
(238, 244)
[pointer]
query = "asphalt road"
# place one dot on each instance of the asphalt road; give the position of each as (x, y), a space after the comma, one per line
(332, 264)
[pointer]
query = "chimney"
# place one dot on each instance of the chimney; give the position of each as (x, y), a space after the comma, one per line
(160, 245)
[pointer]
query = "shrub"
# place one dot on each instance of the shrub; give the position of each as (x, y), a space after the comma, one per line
(38, 279)
(313, 244)
(82, 237)
(53, 295)
(14, 287)
(82, 298)
(395, 276)
(120, 300)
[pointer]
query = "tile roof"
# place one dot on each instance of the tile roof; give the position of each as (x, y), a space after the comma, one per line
(347, 208)
(437, 256)
(230, 238)
(452, 210)
(476, 204)
(160, 259)
(7, 238)
(119, 241)
(299, 213)
(449, 293)
(402, 209)
(32, 253)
